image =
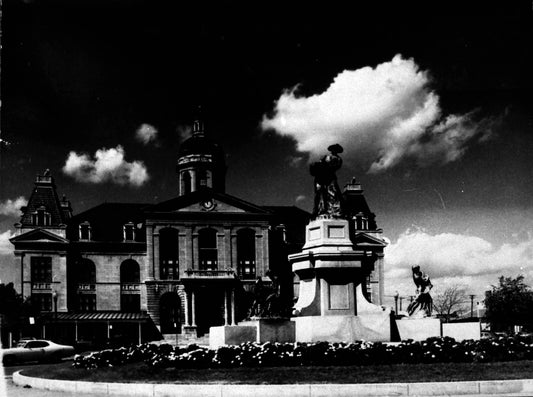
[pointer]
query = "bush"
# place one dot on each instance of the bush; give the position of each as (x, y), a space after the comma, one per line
(273, 354)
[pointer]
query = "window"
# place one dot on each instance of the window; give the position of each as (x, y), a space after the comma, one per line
(41, 217)
(204, 178)
(246, 253)
(129, 272)
(36, 344)
(129, 232)
(207, 245)
(85, 231)
(169, 254)
(130, 303)
(41, 269)
(42, 302)
(86, 302)
(185, 183)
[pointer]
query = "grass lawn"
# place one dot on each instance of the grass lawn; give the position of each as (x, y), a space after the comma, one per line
(139, 372)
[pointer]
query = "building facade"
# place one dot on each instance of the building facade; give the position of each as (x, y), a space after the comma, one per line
(132, 272)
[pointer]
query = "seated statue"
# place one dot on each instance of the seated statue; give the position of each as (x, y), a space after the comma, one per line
(422, 306)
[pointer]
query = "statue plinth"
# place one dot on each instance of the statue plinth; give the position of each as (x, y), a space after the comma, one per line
(331, 304)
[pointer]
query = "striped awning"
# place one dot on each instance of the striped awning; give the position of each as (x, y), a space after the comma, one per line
(99, 316)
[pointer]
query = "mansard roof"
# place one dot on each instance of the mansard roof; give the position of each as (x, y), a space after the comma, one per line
(44, 195)
(107, 221)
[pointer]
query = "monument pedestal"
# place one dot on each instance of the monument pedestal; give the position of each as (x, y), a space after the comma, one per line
(331, 305)
(257, 330)
(418, 328)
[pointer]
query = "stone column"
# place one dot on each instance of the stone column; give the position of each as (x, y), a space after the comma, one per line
(233, 322)
(225, 307)
(188, 259)
(195, 252)
(193, 308)
(156, 264)
(234, 263)
(227, 248)
(221, 260)
(265, 256)
(193, 180)
(187, 310)
(260, 268)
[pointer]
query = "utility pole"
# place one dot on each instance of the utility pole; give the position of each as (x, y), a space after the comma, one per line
(472, 305)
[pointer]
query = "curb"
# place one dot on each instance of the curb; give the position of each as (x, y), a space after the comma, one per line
(470, 388)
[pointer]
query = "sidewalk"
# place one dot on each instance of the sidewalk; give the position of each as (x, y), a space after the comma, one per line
(522, 387)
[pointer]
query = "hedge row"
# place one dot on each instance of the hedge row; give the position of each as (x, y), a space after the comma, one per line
(270, 354)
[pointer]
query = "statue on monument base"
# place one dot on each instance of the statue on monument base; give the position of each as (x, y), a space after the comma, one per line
(422, 306)
(268, 303)
(328, 196)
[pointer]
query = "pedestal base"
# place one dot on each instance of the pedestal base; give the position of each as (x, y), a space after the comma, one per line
(273, 329)
(374, 327)
(231, 335)
(418, 329)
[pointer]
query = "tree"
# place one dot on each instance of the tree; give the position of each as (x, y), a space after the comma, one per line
(450, 303)
(509, 304)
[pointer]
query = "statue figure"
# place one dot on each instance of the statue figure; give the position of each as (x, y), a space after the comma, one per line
(422, 306)
(328, 196)
(267, 300)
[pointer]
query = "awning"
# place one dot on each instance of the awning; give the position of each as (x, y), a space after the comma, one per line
(102, 316)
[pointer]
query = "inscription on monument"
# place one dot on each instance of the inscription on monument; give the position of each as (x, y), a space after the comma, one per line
(338, 297)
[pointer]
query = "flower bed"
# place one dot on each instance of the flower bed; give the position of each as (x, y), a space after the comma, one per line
(251, 354)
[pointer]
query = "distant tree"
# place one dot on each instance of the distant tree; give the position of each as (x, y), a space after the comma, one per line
(450, 303)
(509, 303)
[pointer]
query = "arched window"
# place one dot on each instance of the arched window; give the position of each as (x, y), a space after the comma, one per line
(169, 254)
(129, 272)
(185, 183)
(246, 253)
(201, 178)
(130, 293)
(207, 246)
(86, 271)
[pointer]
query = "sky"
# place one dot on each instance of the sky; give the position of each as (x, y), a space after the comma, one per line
(431, 104)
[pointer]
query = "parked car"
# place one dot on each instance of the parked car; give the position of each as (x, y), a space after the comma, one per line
(36, 350)
(22, 341)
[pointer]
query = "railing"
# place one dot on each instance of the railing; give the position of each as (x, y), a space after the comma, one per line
(41, 286)
(130, 287)
(226, 273)
(86, 287)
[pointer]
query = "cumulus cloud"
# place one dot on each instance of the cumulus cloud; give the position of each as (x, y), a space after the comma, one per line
(146, 134)
(12, 207)
(455, 259)
(6, 248)
(380, 115)
(108, 165)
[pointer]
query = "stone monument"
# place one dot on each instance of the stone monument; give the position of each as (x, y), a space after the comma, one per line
(331, 304)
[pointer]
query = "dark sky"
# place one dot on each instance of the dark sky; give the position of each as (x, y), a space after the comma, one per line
(84, 75)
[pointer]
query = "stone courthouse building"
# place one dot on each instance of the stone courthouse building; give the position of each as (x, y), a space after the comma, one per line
(131, 272)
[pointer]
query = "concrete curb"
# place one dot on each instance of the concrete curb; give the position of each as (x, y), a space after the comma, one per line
(474, 388)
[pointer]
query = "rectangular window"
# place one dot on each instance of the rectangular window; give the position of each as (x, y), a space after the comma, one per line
(130, 303)
(129, 232)
(87, 302)
(85, 231)
(41, 269)
(42, 302)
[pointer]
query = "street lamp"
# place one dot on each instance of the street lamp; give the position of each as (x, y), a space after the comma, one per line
(54, 296)
(472, 305)
(396, 296)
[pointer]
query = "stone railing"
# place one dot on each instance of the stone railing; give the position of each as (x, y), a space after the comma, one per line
(226, 273)
(41, 286)
(130, 287)
(86, 287)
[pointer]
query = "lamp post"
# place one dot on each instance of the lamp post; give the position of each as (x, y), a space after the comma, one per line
(396, 295)
(54, 296)
(472, 305)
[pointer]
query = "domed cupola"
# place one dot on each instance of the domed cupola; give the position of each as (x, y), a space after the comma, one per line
(201, 163)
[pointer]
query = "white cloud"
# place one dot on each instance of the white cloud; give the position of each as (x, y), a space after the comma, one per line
(146, 133)
(12, 207)
(108, 165)
(455, 259)
(6, 248)
(380, 116)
